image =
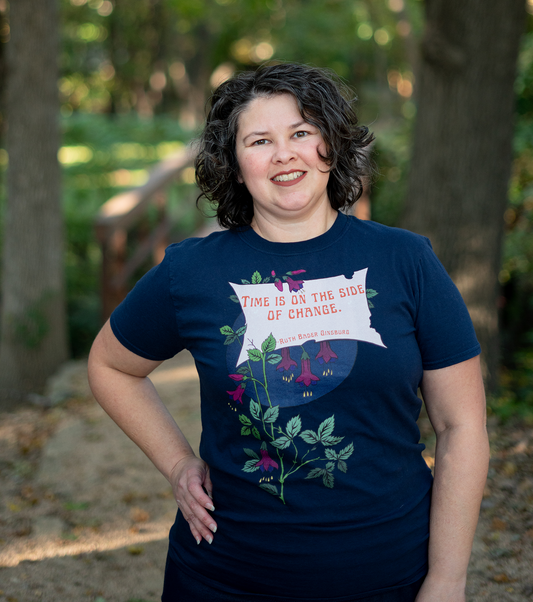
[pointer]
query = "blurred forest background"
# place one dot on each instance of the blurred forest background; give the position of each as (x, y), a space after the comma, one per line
(133, 81)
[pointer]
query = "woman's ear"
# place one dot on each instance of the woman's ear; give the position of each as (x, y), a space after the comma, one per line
(239, 178)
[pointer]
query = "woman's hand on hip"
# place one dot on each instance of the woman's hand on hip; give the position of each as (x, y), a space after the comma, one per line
(189, 478)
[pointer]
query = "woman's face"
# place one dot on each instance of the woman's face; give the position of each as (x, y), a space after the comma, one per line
(278, 158)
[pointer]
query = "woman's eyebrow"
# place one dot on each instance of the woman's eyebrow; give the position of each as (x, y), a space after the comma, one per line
(254, 134)
(291, 127)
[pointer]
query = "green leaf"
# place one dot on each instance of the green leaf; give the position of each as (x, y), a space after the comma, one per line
(274, 358)
(230, 339)
(294, 426)
(345, 453)
(269, 344)
(341, 465)
(227, 330)
(234, 298)
(255, 355)
(245, 281)
(243, 370)
(328, 479)
(250, 466)
(250, 452)
(281, 442)
(241, 331)
(255, 409)
(370, 292)
(331, 454)
(245, 430)
(266, 280)
(245, 420)
(256, 434)
(331, 440)
(270, 488)
(256, 278)
(370, 305)
(314, 473)
(330, 466)
(271, 415)
(310, 437)
(326, 428)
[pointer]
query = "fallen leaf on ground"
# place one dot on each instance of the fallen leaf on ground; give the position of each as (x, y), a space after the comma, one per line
(498, 524)
(510, 468)
(501, 578)
(138, 515)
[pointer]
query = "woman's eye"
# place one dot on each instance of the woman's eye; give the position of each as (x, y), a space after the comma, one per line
(301, 134)
(259, 142)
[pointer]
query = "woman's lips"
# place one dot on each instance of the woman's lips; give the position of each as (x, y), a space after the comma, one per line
(289, 182)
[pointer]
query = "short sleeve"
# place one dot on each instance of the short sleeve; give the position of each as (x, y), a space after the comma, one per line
(145, 322)
(444, 329)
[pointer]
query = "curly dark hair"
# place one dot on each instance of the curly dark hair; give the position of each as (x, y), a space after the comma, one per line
(323, 101)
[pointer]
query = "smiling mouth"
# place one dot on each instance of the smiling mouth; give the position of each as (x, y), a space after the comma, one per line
(288, 177)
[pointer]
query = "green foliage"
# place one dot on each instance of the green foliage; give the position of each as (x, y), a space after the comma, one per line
(152, 56)
(391, 156)
(516, 396)
(101, 157)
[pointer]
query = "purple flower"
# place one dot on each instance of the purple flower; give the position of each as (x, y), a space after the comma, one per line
(266, 462)
(279, 285)
(294, 285)
(287, 363)
(306, 376)
(236, 377)
(237, 394)
(325, 355)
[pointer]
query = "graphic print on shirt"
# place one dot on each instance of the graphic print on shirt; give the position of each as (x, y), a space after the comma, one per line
(319, 322)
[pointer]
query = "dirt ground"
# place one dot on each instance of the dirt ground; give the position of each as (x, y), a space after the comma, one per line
(84, 516)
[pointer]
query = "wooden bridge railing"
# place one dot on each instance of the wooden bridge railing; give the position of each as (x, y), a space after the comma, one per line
(123, 213)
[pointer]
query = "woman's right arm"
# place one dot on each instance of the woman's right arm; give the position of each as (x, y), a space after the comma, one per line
(119, 381)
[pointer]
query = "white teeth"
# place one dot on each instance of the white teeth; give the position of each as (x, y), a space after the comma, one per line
(288, 177)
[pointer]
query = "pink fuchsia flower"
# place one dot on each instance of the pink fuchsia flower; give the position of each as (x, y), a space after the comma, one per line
(266, 462)
(287, 363)
(294, 285)
(236, 377)
(306, 376)
(237, 394)
(278, 284)
(326, 354)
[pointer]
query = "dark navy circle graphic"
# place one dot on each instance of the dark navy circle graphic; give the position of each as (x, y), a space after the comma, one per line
(291, 376)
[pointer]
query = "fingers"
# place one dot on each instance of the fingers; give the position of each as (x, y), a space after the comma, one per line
(208, 486)
(190, 479)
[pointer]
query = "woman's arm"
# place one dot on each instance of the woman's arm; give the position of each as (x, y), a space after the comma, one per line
(119, 381)
(455, 402)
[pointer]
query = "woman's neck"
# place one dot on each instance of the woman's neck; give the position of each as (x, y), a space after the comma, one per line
(296, 230)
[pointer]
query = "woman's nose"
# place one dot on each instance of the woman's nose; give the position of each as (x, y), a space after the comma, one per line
(284, 152)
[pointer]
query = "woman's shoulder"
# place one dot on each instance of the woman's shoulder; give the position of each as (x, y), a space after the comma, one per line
(199, 244)
(380, 234)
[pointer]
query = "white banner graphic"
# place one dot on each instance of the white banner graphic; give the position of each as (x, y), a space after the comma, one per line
(323, 310)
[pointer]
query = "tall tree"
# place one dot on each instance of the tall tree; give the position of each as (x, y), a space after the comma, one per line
(457, 191)
(33, 328)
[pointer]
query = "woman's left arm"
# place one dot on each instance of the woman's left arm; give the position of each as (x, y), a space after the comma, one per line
(455, 402)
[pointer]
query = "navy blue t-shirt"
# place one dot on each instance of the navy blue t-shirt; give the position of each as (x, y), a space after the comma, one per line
(310, 355)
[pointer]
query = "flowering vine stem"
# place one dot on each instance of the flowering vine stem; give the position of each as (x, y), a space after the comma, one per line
(277, 437)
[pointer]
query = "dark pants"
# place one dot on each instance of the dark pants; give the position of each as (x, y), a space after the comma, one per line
(179, 586)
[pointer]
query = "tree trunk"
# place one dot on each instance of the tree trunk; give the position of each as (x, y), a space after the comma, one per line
(33, 322)
(457, 190)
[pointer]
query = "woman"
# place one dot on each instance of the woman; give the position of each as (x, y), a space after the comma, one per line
(311, 332)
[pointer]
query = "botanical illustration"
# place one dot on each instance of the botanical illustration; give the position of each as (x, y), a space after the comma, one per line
(278, 450)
